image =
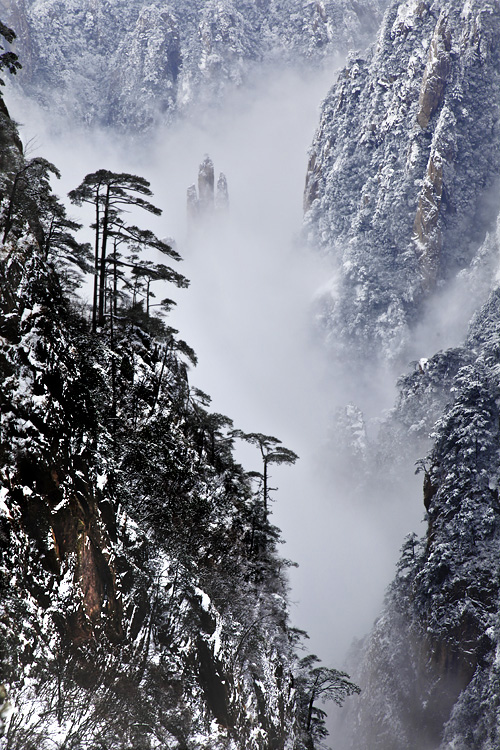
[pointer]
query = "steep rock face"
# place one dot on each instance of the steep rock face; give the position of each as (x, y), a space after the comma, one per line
(429, 669)
(11, 151)
(222, 193)
(131, 64)
(47, 476)
(400, 169)
(150, 59)
(204, 203)
(206, 183)
(112, 549)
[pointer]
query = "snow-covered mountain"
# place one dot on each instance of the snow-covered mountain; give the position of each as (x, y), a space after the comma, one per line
(404, 168)
(401, 195)
(429, 668)
(131, 63)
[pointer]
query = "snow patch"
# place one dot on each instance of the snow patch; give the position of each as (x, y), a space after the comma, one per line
(4, 510)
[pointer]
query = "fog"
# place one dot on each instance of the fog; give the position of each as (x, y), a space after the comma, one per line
(248, 316)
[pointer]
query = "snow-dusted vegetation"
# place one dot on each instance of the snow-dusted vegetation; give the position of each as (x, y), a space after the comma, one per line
(143, 600)
(131, 63)
(403, 172)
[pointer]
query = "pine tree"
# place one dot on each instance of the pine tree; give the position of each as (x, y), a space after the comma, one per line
(318, 683)
(8, 59)
(111, 194)
(272, 452)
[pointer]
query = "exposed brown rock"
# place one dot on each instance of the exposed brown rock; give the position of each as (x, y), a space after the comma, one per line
(436, 72)
(94, 575)
(430, 490)
(75, 531)
(427, 232)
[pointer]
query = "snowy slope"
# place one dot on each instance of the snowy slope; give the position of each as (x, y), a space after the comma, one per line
(429, 668)
(402, 195)
(143, 602)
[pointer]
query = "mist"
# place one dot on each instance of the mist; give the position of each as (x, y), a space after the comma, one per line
(248, 316)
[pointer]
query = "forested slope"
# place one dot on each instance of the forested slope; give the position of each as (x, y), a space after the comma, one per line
(403, 172)
(429, 668)
(402, 194)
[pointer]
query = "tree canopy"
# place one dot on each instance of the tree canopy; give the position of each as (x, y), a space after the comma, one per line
(112, 194)
(319, 683)
(8, 59)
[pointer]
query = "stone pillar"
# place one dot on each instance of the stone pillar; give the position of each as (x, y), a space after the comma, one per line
(206, 186)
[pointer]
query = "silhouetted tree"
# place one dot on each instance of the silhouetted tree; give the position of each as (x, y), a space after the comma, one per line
(316, 683)
(111, 194)
(272, 452)
(31, 202)
(30, 187)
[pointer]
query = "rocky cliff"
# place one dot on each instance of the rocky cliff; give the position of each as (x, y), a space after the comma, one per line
(145, 604)
(403, 168)
(123, 564)
(429, 669)
(203, 203)
(402, 195)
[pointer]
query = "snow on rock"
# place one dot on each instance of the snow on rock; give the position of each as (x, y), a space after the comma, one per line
(429, 669)
(401, 169)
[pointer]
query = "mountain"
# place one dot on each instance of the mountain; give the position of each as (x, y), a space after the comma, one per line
(130, 64)
(403, 171)
(146, 603)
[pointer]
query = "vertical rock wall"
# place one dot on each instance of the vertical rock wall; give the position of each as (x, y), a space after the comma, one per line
(402, 166)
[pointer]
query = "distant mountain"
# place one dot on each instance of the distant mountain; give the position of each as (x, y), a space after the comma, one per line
(130, 63)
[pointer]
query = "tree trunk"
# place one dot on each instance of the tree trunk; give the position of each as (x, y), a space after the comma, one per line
(96, 262)
(265, 487)
(104, 242)
(310, 712)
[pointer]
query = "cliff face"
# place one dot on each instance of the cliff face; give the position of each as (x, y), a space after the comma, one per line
(402, 166)
(47, 422)
(208, 200)
(132, 64)
(401, 192)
